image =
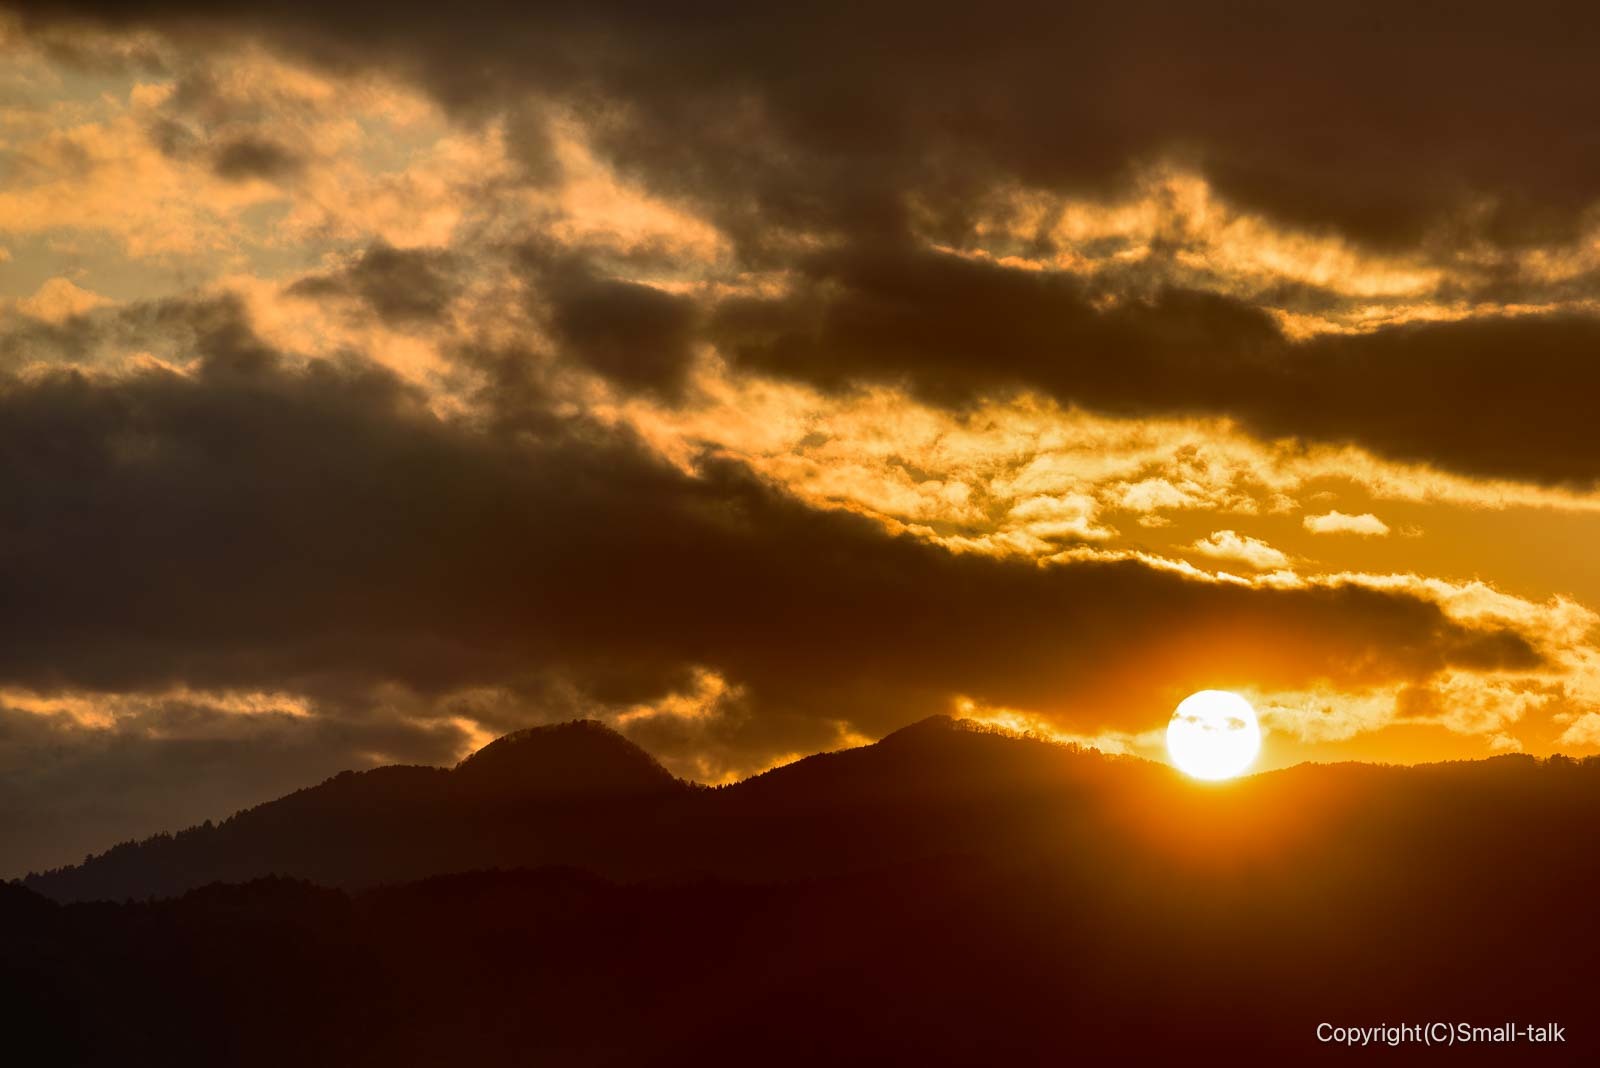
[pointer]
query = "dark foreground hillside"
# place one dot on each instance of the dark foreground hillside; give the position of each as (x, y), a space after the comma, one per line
(943, 897)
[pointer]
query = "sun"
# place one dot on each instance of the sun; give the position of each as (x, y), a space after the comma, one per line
(1213, 735)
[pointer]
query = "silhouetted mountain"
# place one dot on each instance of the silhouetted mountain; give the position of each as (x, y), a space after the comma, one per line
(578, 759)
(946, 896)
(580, 794)
(570, 793)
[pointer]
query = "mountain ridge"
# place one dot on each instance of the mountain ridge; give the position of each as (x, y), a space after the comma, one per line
(570, 793)
(580, 795)
(945, 896)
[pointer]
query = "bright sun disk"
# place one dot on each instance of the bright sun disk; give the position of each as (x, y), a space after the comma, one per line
(1213, 735)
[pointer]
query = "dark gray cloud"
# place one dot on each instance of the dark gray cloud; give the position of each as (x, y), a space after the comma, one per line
(232, 130)
(1384, 125)
(953, 329)
(1386, 122)
(1501, 396)
(400, 286)
(318, 528)
(171, 329)
(254, 157)
(638, 336)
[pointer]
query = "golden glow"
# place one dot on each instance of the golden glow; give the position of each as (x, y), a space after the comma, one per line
(98, 217)
(1213, 735)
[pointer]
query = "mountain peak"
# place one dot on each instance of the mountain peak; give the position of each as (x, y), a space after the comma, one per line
(938, 726)
(581, 756)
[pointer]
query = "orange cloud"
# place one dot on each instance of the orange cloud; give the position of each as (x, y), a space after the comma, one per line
(1340, 523)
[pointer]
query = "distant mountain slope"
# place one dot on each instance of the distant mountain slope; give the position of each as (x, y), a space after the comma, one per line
(558, 794)
(580, 795)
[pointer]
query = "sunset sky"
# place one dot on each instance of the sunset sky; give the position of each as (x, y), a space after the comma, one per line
(376, 380)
